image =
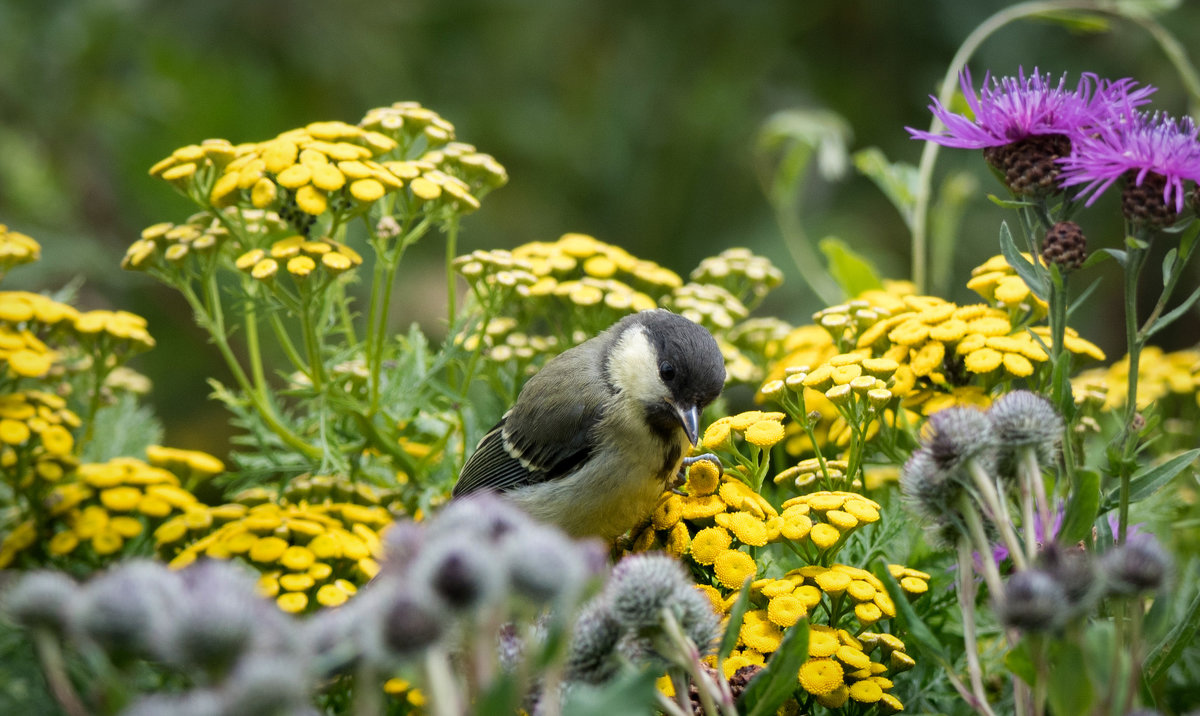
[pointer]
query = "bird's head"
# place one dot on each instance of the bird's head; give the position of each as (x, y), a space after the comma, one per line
(670, 365)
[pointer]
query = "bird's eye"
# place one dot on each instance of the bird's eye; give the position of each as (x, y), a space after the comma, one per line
(666, 371)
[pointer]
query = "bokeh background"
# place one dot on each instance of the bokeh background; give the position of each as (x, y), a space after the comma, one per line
(630, 120)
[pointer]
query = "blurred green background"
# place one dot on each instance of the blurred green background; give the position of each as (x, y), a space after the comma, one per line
(629, 120)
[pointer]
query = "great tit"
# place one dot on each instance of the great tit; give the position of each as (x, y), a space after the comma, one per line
(602, 429)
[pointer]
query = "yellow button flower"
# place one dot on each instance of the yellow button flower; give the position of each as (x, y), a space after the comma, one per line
(668, 512)
(708, 543)
(745, 526)
(824, 536)
(292, 602)
(703, 478)
(761, 635)
(821, 676)
(765, 434)
(868, 613)
(733, 568)
(866, 692)
(843, 521)
(832, 582)
(121, 499)
(786, 609)
(63, 543)
(268, 549)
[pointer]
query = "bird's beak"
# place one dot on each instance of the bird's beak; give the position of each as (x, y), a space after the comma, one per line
(689, 417)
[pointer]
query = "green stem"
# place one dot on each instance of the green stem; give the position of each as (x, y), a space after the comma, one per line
(451, 250)
(995, 504)
(1135, 260)
(312, 346)
(285, 341)
(991, 574)
(966, 602)
(54, 668)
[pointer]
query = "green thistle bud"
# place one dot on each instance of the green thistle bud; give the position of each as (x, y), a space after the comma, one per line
(543, 565)
(267, 684)
(1033, 601)
(40, 599)
(1139, 565)
(928, 489)
(216, 622)
(641, 586)
(591, 657)
(959, 434)
(1022, 420)
(126, 611)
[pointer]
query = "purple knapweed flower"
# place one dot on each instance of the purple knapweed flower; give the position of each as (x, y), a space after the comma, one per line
(1156, 152)
(1025, 123)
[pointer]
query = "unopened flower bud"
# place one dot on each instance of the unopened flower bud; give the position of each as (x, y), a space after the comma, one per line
(542, 564)
(1074, 571)
(126, 611)
(410, 623)
(1021, 419)
(1065, 245)
(267, 684)
(40, 599)
(1139, 565)
(1033, 601)
(458, 572)
(591, 657)
(958, 434)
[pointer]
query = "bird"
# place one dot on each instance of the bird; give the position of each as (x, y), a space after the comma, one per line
(597, 435)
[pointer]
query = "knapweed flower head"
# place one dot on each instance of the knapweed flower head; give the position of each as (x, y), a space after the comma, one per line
(1025, 123)
(1155, 153)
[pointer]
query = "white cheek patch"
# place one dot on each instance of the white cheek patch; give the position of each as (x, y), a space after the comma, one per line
(633, 367)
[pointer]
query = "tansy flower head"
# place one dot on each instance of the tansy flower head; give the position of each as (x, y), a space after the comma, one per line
(821, 676)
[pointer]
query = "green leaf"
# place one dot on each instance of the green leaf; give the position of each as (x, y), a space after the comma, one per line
(734, 625)
(1168, 649)
(1103, 254)
(1174, 314)
(777, 681)
(1019, 660)
(1135, 244)
(1083, 507)
(1082, 298)
(853, 273)
(1009, 203)
(1068, 697)
(917, 629)
(500, 697)
(1145, 482)
(1024, 268)
(897, 180)
(1077, 21)
(1168, 268)
(632, 693)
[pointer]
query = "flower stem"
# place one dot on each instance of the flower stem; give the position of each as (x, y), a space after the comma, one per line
(55, 669)
(991, 574)
(995, 505)
(1136, 259)
(966, 603)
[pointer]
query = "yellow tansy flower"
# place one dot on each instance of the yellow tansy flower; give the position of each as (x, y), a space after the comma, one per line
(785, 610)
(733, 568)
(709, 543)
(746, 527)
(821, 676)
(765, 434)
(761, 635)
(824, 536)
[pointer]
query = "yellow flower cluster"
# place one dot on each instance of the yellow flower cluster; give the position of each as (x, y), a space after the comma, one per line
(761, 429)
(299, 257)
(16, 249)
(825, 518)
(745, 276)
(200, 236)
(25, 354)
(188, 465)
(494, 273)
(1160, 376)
(309, 555)
(710, 305)
(588, 272)
(998, 283)
(502, 342)
(113, 332)
(853, 383)
(110, 503)
(35, 437)
(846, 672)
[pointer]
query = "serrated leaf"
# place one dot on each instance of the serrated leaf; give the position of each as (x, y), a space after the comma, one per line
(853, 273)
(777, 681)
(1148, 480)
(897, 180)
(734, 624)
(1083, 507)
(1023, 266)
(1174, 314)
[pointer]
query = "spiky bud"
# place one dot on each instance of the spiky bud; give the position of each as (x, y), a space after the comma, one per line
(958, 434)
(1065, 245)
(40, 599)
(1020, 420)
(1029, 166)
(1033, 601)
(1139, 565)
(591, 657)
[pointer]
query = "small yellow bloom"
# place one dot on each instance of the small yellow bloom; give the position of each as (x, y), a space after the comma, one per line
(699, 508)
(264, 269)
(843, 521)
(821, 676)
(868, 613)
(292, 602)
(678, 540)
(861, 591)
(822, 642)
(311, 200)
(330, 596)
(914, 585)
(63, 543)
(733, 568)
(127, 527)
(703, 478)
(891, 703)
(853, 658)
(761, 635)
(745, 526)
(121, 499)
(832, 582)
(268, 549)
(366, 190)
(296, 582)
(862, 510)
(866, 692)
(786, 609)
(107, 541)
(668, 512)
(765, 434)
(984, 360)
(824, 536)
(708, 543)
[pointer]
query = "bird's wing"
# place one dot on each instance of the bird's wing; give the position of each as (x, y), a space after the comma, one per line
(515, 453)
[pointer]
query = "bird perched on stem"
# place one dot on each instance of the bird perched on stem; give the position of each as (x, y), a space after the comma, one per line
(602, 429)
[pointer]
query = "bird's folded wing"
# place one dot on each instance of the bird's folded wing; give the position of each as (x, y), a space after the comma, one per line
(512, 456)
